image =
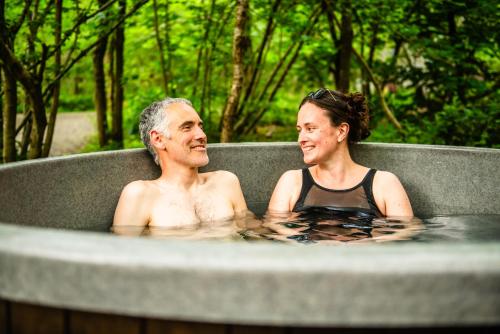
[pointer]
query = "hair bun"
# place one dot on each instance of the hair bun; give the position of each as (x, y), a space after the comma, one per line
(360, 114)
(357, 102)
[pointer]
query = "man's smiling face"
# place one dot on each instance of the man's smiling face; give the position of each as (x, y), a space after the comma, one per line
(187, 143)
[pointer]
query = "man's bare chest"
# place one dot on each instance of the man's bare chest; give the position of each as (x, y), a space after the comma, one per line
(172, 210)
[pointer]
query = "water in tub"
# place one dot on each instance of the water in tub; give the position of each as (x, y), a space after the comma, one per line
(330, 227)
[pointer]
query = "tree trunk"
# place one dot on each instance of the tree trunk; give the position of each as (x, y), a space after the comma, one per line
(33, 84)
(9, 116)
(334, 66)
(262, 110)
(25, 140)
(203, 48)
(246, 118)
(168, 50)
(205, 102)
(9, 101)
(238, 52)
(371, 55)
(117, 112)
(100, 92)
(55, 94)
(379, 92)
(346, 37)
(33, 90)
(30, 74)
(100, 88)
(459, 68)
(164, 74)
(3, 36)
(76, 85)
(111, 72)
(377, 85)
(1, 114)
(265, 39)
(398, 44)
(39, 121)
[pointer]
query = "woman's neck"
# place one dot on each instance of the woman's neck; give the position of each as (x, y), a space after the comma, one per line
(340, 171)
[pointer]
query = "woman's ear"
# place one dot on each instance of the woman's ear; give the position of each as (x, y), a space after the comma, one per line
(343, 131)
(157, 140)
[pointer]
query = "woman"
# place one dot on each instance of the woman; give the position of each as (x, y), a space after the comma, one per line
(328, 122)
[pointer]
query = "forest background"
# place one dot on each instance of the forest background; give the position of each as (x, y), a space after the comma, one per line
(429, 69)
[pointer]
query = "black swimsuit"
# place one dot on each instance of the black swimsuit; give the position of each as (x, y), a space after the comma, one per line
(357, 200)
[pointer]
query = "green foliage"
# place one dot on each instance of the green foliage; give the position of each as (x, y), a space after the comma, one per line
(76, 103)
(135, 105)
(443, 77)
(439, 58)
(461, 125)
(129, 141)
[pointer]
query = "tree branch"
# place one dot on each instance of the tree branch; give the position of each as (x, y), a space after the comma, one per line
(17, 68)
(84, 52)
(15, 27)
(81, 20)
(383, 104)
(262, 111)
(267, 35)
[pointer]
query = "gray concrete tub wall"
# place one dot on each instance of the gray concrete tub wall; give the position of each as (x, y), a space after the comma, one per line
(82, 191)
(396, 285)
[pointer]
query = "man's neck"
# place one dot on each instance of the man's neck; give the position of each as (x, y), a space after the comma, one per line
(179, 176)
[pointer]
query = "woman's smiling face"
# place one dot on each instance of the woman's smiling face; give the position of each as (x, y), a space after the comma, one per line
(318, 138)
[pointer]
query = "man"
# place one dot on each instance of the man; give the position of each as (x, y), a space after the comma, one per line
(173, 133)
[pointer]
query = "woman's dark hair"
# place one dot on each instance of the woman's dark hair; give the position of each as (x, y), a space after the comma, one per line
(343, 108)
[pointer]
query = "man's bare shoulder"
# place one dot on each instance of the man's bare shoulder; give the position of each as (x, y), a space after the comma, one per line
(137, 189)
(221, 176)
(133, 207)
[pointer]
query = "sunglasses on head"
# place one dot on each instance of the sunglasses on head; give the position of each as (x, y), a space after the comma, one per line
(320, 93)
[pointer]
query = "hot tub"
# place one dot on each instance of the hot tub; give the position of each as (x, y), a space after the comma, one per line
(60, 273)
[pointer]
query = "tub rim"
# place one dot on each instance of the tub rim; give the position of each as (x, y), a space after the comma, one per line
(39, 273)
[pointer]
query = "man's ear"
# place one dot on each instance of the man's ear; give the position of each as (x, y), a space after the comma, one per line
(343, 131)
(157, 140)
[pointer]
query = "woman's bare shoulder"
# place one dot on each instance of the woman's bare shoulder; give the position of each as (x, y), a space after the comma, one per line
(386, 178)
(292, 174)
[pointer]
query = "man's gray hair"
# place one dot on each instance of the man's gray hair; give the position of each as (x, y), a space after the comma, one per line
(155, 118)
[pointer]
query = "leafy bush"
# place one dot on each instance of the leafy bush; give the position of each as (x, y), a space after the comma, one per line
(135, 105)
(68, 103)
(468, 126)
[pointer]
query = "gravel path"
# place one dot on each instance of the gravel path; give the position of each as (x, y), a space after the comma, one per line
(73, 131)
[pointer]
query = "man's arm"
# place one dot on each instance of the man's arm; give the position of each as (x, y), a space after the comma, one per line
(132, 208)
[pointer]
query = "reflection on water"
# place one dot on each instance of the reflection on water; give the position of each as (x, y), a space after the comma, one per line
(461, 228)
(332, 227)
(220, 230)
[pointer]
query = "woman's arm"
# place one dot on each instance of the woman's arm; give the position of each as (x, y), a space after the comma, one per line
(231, 188)
(286, 192)
(391, 196)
